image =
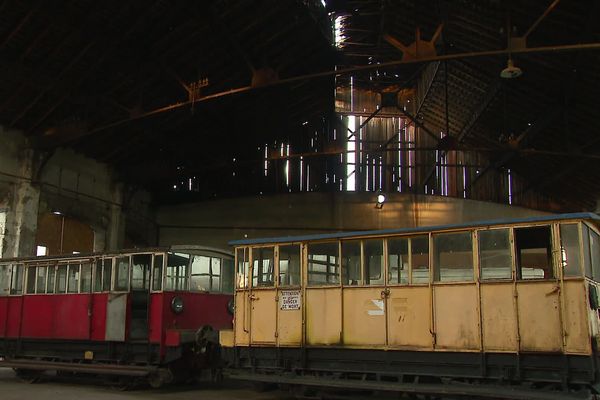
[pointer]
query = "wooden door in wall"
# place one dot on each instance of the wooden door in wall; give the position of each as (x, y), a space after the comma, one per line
(60, 234)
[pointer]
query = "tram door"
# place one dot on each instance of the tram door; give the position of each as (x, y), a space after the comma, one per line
(263, 297)
(140, 291)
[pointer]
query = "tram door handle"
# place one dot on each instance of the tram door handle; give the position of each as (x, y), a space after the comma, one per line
(252, 297)
(385, 293)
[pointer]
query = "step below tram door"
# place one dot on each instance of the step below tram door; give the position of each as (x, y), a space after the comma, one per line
(140, 296)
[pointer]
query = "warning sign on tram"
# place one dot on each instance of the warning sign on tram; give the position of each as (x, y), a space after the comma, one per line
(290, 300)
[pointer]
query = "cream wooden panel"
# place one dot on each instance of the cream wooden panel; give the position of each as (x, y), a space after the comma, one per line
(499, 317)
(409, 317)
(456, 315)
(323, 316)
(539, 321)
(576, 318)
(263, 316)
(364, 317)
(289, 323)
(242, 318)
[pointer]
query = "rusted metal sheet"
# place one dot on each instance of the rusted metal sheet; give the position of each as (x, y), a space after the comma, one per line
(364, 317)
(323, 316)
(242, 318)
(263, 316)
(575, 319)
(499, 317)
(409, 317)
(456, 316)
(289, 319)
(539, 320)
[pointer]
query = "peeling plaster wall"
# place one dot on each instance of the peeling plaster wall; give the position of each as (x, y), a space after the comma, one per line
(214, 223)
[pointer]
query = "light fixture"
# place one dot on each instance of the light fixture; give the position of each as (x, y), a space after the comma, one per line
(380, 201)
(56, 212)
(177, 305)
(511, 71)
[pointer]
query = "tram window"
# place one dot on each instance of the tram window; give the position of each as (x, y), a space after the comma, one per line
(73, 278)
(61, 279)
(50, 282)
(122, 273)
(206, 272)
(569, 250)
(587, 260)
(398, 261)
(351, 273)
(157, 273)
(40, 286)
(5, 271)
(227, 275)
(289, 265)
(86, 277)
(323, 264)
(140, 271)
(534, 253)
(176, 275)
(243, 263)
(453, 257)
(107, 274)
(373, 250)
(419, 256)
(30, 280)
(495, 258)
(16, 284)
(98, 276)
(595, 254)
(263, 266)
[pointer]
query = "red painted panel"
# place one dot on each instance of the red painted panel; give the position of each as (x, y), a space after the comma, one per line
(198, 309)
(172, 338)
(56, 316)
(3, 316)
(155, 331)
(13, 322)
(99, 302)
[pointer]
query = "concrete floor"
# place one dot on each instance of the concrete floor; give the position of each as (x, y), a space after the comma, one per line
(52, 388)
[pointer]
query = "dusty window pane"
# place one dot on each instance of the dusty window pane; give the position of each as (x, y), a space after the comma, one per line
(41, 280)
(140, 271)
(73, 279)
(351, 274)
(50, 283)
(587, 260)
(289, 265)
(5, 271)
(419, 250)
(157, 273)
(595, 254)
(534, 253)
(61, 279)
(227, 276)
(107, 274)
(569, 250)
(122, 274)
(176, 277)
(263, 266)
(16, 283)
(323, 264)
(98, 276)
(201, 274)
(453, 257)
(243, 263)
(30, 280)
(86, 277)
(398, 260)
(495, 257)
(373, 250)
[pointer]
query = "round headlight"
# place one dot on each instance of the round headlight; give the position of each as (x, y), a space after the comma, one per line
(231, 306)
(177, 305)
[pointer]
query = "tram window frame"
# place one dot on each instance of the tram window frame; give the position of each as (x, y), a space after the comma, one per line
(146, 271)
(51, 279)
(205, 271)
(16, 283)
(521, 240)
(334, 264)
(264, 275)
(567, 247)
(61, 281)
(292, 277)
(85, 276)
(74, 279)
(484, 267)
(442, 250)
(595, 254)
(242, 268)
(351, 262)
(179, 282)
(119, 284)
(102, 279)
(368, 262)
(158, 272)
(30, 284)
(5, 275)
(39, 268)
(398, 247)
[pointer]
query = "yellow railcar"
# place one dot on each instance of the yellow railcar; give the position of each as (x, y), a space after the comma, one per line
(503, 308)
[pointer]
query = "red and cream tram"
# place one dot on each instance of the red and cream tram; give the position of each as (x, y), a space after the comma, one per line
(151, 313)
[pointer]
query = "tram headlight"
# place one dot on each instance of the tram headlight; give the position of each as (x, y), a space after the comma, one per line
(231, 306)
(177, 305)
